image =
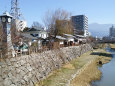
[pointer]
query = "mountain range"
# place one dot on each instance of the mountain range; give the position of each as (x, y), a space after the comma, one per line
(99, 30)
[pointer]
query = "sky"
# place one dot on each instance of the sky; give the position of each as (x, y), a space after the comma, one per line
(97, 11)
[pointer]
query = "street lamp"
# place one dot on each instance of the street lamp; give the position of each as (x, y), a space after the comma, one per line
(6, 21)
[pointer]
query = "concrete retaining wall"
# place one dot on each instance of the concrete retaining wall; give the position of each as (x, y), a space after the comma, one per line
(30, 69)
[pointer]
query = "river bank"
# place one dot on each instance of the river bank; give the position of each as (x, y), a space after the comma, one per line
(80, 71)
(91, 72)
(112, 46)
(108, 70)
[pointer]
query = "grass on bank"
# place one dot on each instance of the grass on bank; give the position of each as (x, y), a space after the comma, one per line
(61, 76)
(85, 77)
(91, 73)
(112, 46)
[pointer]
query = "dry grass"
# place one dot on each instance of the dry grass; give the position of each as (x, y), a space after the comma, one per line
(104, 60)
(112, 46)
(69, 66)
(90, 72)
(61, 76)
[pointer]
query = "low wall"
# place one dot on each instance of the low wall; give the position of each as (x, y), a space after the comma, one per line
(30, 69)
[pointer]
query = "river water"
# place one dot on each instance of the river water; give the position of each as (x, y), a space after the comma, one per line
(108, 72)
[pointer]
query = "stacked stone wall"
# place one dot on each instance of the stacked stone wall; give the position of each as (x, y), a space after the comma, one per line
(30, 69)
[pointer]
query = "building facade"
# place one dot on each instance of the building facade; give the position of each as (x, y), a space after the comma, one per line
(80, 23)
(35, 34)
(20, 24)
(112, 32)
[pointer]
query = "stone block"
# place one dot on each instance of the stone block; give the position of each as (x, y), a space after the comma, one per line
(31, 83)
(1, 71)
(16, 65)
(26, 70)
(14, 79)
(26, 78)
(4, 65)
(19, 84)
(9, 74)
(13, 72)
(12, 85)
(1, 79)
(22, 62)
(34, 79)
(29, 68)
(13, 59)
(18, 70)
(22, 73)
(17, 58)
(7, 82)
(1, 83)
(4, 76)
(8, 62)
(30, 75)
(19, 77)
(23, 82)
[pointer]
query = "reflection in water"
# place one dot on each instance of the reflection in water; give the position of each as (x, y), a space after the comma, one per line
(108, 73)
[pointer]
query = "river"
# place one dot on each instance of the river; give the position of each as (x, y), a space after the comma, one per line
(108, 72)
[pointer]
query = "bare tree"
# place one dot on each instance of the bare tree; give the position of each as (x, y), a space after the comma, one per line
(14, 32)
(37, 25)
(0, 31)
(64, 27)
(54, 21)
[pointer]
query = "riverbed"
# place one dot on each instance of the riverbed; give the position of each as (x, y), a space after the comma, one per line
(108, 72)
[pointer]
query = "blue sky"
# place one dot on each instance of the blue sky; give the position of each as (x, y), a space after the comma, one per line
(98, 11)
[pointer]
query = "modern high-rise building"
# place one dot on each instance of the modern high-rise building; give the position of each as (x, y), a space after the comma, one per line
(80, 23)
(112, 32)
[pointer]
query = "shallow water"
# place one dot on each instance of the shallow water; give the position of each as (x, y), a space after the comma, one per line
(108, 73)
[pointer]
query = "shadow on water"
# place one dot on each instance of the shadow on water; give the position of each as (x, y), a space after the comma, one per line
(101, 54)
(108, 70)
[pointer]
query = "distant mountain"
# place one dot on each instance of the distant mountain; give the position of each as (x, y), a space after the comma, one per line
(99, 30)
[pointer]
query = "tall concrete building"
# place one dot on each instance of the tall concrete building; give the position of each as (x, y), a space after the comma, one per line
(20, 24)
(80, 23)
(112, 32)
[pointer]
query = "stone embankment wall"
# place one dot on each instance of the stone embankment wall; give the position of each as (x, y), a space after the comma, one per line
(30, 69)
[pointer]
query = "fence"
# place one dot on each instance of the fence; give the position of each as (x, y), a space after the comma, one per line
(36, 49)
